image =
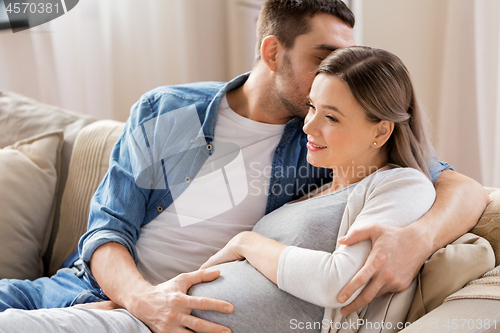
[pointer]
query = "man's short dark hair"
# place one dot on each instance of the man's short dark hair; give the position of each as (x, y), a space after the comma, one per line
(287, 19)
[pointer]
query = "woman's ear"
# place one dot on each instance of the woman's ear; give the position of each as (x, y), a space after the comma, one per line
(269, 51)
(384, 130)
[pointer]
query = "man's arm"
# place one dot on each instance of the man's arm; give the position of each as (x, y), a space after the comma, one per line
(398, 253)
(163, 308)
(123, 202)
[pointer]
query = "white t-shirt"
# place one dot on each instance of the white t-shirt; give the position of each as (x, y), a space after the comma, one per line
(227, 197)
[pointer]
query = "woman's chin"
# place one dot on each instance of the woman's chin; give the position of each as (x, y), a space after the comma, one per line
(313, 161)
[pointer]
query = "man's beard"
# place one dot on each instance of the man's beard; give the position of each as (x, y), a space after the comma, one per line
(293, 104)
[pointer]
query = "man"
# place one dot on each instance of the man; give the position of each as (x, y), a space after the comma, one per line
(136, 212)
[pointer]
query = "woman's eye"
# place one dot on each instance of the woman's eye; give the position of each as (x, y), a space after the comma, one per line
(309, 104)
(333, 119)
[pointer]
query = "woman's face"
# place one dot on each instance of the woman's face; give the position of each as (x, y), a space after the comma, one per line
(339, 134)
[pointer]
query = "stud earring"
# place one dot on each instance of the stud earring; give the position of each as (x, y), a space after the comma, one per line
(374, 143)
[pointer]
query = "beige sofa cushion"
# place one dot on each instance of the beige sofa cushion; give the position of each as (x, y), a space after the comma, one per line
(22, 117)
(466, 259)
(28, 182)
(448, 270)
(488, 286)
(88, 166)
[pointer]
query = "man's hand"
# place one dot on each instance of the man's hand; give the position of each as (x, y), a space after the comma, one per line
(163, 308)
(167, 308)
(394, 261)
(398, 254)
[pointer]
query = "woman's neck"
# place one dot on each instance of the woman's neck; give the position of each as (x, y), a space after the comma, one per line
(345, 176)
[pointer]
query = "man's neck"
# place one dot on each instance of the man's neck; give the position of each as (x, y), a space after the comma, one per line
(256, 100)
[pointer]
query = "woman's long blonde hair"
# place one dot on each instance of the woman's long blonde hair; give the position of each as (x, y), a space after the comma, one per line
(381, 84)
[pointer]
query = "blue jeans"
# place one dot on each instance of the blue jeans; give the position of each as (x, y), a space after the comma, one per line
(67, 287)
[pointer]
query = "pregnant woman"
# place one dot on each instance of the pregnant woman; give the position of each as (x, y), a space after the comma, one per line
(363, 123)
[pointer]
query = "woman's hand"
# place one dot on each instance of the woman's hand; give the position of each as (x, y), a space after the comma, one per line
(261, 252)
(230, 252)
(104, 305)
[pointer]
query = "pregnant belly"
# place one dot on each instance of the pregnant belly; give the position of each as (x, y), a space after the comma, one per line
(259, 305)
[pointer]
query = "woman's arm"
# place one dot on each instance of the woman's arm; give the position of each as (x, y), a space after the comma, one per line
(459, 204)
(398, 199)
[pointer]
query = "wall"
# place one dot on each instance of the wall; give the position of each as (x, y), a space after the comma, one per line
(102, 55)
(414, 30)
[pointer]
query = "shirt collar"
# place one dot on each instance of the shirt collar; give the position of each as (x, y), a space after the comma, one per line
(208, 126)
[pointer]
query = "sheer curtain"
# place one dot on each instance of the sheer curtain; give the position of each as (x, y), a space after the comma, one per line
(469, 111)
(102, 55)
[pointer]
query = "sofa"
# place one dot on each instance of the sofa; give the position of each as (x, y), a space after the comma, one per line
(52, 161)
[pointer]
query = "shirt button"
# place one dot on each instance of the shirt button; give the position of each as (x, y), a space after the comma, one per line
(200, 139)
(160, 209)
(209, 147)
(187, 179)
(301, 123)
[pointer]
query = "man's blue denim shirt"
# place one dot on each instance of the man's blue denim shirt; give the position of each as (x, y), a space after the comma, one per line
(163, 148)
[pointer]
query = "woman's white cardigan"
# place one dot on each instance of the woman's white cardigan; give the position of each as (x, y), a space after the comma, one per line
(391, 196)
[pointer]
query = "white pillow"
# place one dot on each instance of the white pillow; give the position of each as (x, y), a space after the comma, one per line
(28, 183)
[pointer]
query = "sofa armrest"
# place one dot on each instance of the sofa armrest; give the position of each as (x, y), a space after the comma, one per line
(462, 315)
(88, 165)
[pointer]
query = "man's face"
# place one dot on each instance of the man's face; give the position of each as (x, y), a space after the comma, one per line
(296, 74)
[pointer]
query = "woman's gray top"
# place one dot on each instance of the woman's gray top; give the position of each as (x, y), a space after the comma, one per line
(259, 305)
(313, 267)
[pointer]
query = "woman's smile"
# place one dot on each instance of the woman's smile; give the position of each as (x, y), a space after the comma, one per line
(313, 146)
